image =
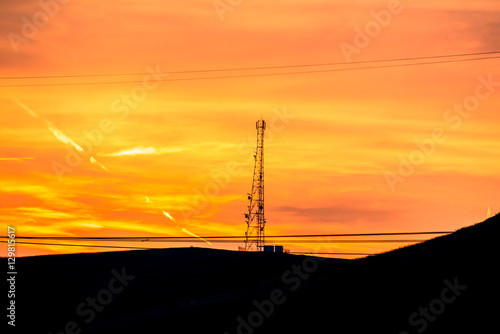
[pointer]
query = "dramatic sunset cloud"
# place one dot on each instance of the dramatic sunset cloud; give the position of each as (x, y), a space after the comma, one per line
(124, 98)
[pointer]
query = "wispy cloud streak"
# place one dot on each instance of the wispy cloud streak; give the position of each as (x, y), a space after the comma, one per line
(15, 159)
(142, 151)
(169, 216)
(194, 235)
(59, 134)
(184, 229)
(94, 161)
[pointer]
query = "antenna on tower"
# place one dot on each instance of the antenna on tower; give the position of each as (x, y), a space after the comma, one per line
(255, 219)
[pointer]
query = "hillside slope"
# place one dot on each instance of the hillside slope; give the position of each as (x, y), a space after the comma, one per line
(444, 285)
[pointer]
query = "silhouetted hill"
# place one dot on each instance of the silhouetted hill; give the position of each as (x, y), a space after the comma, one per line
(194, 290)
(379, 294)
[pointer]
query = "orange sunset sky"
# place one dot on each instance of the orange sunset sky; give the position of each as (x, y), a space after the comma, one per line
(332, 137)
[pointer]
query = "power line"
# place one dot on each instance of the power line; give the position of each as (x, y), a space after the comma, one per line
(358, 234)
(282, 241)
(149, 248)
(249, 68)
(220, 241)
(228, 239)
(237, 237)
(338, 241)
(288, 241)
(76, 245)
(248, 75)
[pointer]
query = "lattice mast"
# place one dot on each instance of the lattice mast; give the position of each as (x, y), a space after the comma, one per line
(255, 219)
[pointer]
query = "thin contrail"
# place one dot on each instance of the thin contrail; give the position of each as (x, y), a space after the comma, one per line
(59, 134)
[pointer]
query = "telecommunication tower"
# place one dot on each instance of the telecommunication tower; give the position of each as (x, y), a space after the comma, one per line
(255, 219)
